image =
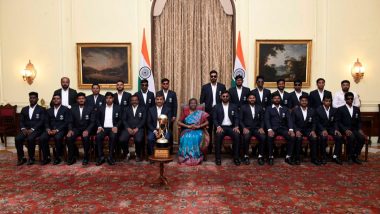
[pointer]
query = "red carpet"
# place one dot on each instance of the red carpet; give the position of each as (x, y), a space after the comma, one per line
(124, 188)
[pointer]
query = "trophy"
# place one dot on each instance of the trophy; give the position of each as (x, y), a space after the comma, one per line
(161, 149)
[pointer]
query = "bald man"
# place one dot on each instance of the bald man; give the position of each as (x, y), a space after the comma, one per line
(68, 94)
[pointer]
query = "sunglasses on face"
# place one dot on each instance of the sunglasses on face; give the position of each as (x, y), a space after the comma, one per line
(225, 96)
(212, 76)
(259, 81)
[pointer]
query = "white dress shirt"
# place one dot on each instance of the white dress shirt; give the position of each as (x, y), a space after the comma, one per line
(145, 95)
(134, 109)
(298, 94)
(321, 94)
(261, 93)
(65, 97)
(252, 110)
(239, 90)
(339, 101)
(95, 98)
(56, 111)
(327, 112)
(226, 120)
(350, 109)
(213, 89)
(108, 117)
(31, 110)
(119, 97)
(281, 94)
(165, 94)
(80, 112)
(304, 113)
(159, 109)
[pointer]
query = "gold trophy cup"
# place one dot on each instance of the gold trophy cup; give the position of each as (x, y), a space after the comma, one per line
(161, 149)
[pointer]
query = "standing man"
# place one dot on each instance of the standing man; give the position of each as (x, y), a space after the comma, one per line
(316, 96)
(133, 118)
(284, 96)
(108, 122)
(56, 124)
(32, 125)
(81, 125)
(226, 121)
(278, 121)
(121, 97)
(263, 95)
(339, 98)
(66, 93)
(349, 123)
(252, 124)
(210, 96)
(239, 93)
(95, 100)
(145, 97)
(294, 97)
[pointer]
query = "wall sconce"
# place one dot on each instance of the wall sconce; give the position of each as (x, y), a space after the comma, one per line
(357, 71)
(29, 73)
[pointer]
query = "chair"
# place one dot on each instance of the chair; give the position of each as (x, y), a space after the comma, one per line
(7, 122)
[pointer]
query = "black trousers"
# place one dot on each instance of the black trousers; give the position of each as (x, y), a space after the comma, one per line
(284, 133)
(111, 141)
(337, 140)
(355, 144)
(247, 139)
(313, 143)
(137, 138)
(30, 139)
(227, 131)
(58, 140)
(71, 143)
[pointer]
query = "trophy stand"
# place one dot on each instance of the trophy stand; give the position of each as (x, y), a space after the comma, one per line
(161, 180)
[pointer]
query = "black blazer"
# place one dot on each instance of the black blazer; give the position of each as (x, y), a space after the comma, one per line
(134, 121)
(314, 99)
(323, 123)
(125, 99)
(37, 121)
(88, 118)
(150, 99)
(72, 95)
(170, 102)
(235, 98)
(266, 97)
(293, 100)
(101, 100)
(246, 119)
(206, 95)
(116, 116)
(285, 101)
(273, 120)
(346, 122)
(303, 125)
(152, 116)
(233, 114)
(59, 122)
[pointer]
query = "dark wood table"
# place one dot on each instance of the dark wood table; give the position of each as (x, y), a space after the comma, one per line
(162, 180)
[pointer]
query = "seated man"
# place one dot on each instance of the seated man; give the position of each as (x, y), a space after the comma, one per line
(108, 122)
(82, 124)
(32, 125)
(252, 123)
(304, 126)
(349, 123)
(278, 121)
(56, 124)
(153, 114)
(133, 119)
(326, 117)
(226, 121)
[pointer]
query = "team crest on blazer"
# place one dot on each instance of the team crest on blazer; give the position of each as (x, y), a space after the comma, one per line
(357, 115)
(100, 103)
(37, 116)
(265, 99)
(86, 117)
(286, 102)
(220, 93)
(283, 115)
(125, 102)
(244, 98)
(310, 119)
(170, 100)
(232, 113)
(332, 118)
(149, 101)
(116, 114)
(61, 117)
(258, 115)
(140, 114)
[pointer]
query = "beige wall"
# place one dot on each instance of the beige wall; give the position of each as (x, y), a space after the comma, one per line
(46, 31)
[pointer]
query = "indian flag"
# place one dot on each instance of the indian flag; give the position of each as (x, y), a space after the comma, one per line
(239, 67)
(145, 72)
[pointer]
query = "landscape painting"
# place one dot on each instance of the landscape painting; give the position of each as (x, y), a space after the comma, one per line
(104, 63)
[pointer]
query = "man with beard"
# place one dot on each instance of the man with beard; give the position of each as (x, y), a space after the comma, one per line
(67, 94)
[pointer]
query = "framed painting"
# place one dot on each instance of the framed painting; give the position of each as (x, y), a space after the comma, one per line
(284, 59)
(104, 63)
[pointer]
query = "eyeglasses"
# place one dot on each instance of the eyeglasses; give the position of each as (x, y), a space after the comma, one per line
(225, 96)
(297, 84)
(213, 76)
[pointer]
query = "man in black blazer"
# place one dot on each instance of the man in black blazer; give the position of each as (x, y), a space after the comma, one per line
(56, 124)
(170, 99)
(284, 96)
(152, 122)
(226, 122)
(108, 122)
(263, 95)
(349, 123)
(305, 126)
(239, 93)
(81, 125)
(278, 121)
(146, 97)
(95, 100)
(121, 97)
(68, 95)
(294, 97)
(252, 124)
(210, 96)
(133, 118)
(316, 96)
(31, 126)
(326, 117)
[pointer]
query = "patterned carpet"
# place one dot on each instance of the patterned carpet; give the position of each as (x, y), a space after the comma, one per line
(125, 188)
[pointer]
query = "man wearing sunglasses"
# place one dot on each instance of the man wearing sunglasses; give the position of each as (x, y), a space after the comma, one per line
(294, 97)
(263, 95)
(146, 97)
(339, 98)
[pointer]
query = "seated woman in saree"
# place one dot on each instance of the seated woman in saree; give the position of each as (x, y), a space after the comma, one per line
(194, 138)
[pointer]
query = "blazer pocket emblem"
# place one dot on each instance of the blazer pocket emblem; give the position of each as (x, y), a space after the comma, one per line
(149, 101)
(37, 116)
(332, 118)
(244, 98)
(283, 115)
(220, 93)
(61, 117)
(357, 115)
(86, 117)
(310, 119)
(285, 102)
(232, 113)
(170, 100)
(116, 114)
(100, 103)
(125, 102)
(266, 99)
(140, 114)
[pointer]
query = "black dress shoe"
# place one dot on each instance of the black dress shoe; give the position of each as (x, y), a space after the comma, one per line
(289, 161)
(297, 162)
(218, 162)
(316, 162)
(260, 161)
(46, 161)
(138, 159)
(30, 161)
(57, 161)
(21, 161)
(85, 161)
(110, 161)
(246, 161)
(323, 161)
(357, 161)
(100, 161)
(271, 161)
(71, 162)
(337, 161)
(237, 162)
